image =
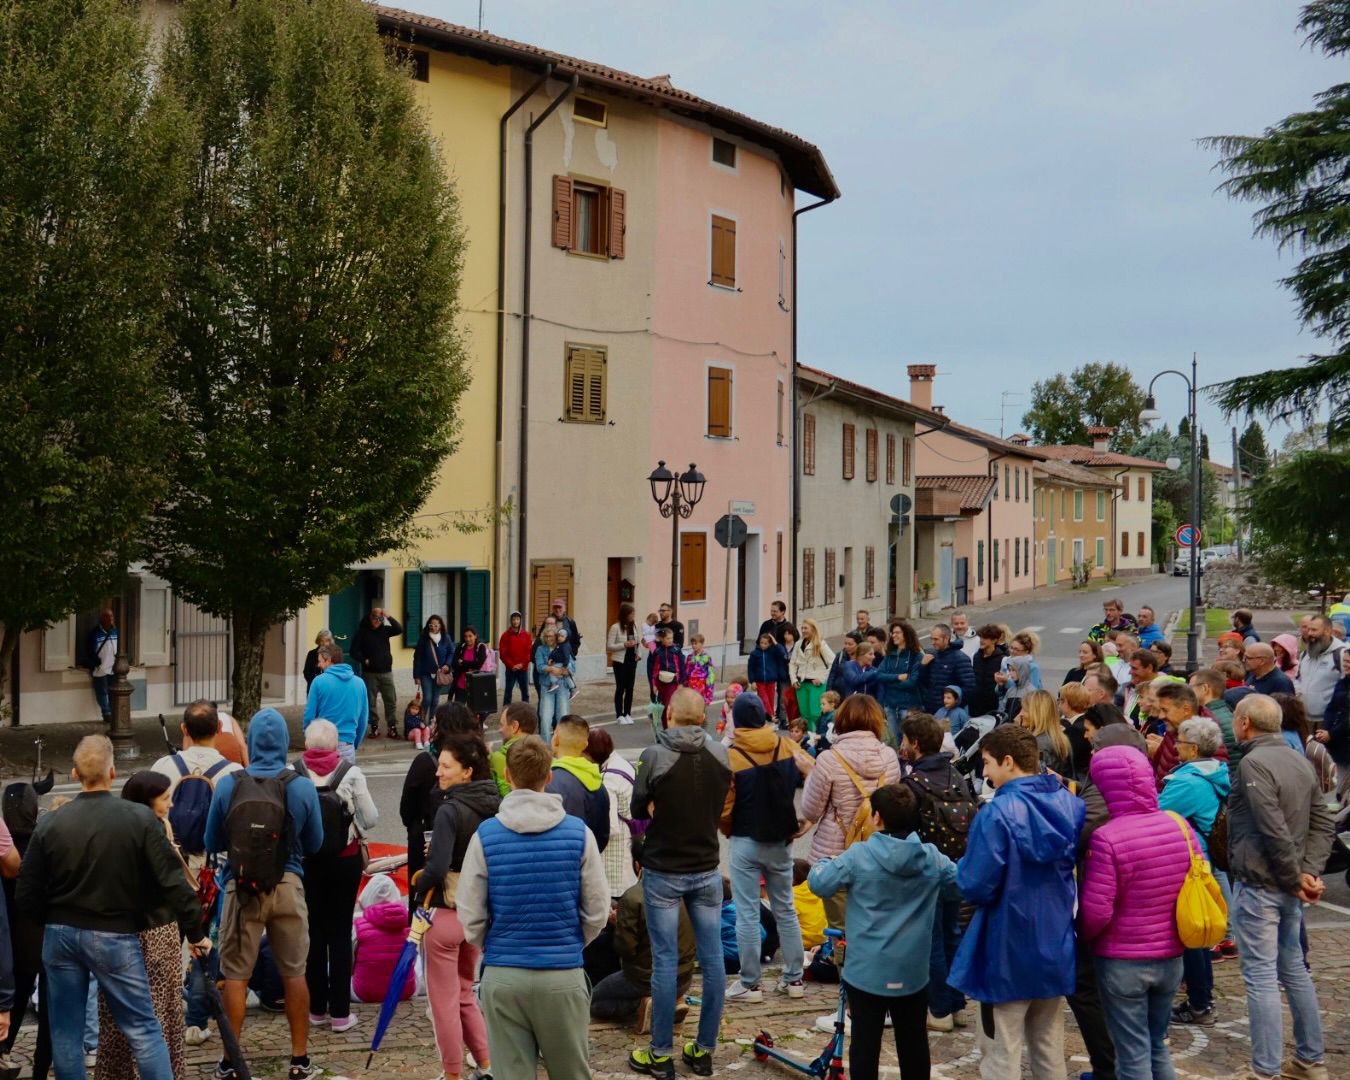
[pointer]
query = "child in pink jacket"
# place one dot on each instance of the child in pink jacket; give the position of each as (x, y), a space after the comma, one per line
(381, 929)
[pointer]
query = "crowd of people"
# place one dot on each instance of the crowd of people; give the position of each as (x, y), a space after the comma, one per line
(977, 837)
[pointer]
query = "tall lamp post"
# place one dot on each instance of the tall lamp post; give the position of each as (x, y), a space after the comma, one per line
(676, 497)
(1151, 413)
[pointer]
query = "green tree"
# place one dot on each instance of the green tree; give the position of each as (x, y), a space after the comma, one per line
(1174, 487)
(88, 180)
(1252, 451)
(1300, 169)
(1065, 406)
(1184, 430)
(1296, 513)
(1165, 524)
(316, 365)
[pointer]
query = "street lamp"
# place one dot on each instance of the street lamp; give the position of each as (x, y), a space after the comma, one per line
(1150, 412)
(676, 498)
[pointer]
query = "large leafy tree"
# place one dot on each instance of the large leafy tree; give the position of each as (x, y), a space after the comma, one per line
(1300, 170)
(315, 366)
(88, 180)
(1063, 407)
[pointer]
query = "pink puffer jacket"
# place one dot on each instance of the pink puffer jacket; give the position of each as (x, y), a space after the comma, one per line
(831, 797)
(381, 931)
(1136, 863)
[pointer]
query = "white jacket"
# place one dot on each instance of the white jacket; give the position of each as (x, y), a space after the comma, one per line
(1317, 677)
(806, 666)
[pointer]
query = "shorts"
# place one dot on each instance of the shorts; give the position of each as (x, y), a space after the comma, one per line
(282, 913)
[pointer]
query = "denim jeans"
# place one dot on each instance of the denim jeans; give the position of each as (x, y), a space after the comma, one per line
(942, 999)
(198, 1009)
(520, 680)
(72, 957)
(1198, 967)
(1137, 997)
(894, 718)
(1266, 926)
(701, 894)
(431, 697)
(749, 860)
(553, 706)
(347, 752)
(101, 695)
(1226, 888)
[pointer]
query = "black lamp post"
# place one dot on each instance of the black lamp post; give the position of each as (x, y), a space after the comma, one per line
(1151, 413)
(676, 497)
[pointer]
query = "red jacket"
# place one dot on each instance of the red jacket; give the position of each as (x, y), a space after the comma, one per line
(514, 648)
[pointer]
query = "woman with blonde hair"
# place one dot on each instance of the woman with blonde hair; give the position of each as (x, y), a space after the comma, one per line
(808, 670)
(1041, 715)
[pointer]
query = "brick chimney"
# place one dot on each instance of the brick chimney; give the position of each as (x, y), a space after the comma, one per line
(1021, 439)
(1100, 436)
(921, 384)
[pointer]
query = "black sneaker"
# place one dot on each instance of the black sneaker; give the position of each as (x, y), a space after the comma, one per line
(1184, 1014)
(698, 1059)
(302, 1072)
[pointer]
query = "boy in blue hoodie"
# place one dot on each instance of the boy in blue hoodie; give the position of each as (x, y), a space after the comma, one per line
(894, 882)
(953, 711)
(337, 695)
(281, 912)
(1017, 957)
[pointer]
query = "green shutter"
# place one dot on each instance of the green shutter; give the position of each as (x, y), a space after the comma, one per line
(476, 603)
(412, 607)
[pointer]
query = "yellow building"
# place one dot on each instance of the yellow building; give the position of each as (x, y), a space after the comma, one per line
(1074, 510)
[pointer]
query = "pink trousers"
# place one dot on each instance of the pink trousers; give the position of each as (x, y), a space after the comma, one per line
(451, 964)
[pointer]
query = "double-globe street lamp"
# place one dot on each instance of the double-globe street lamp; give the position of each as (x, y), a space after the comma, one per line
(1149, 414)
(676, 497)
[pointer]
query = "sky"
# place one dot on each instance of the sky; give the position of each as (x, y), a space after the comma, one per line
(1023, 190)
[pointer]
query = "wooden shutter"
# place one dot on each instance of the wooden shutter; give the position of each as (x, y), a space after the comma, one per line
(412, 607)
(808, 577)
(907, 476)
(585, 385)
(1125, 490)
(1125, 544)
(870, 461)
(475, 603)
(562, 212)
(723, 251)
(156, 618)
(1141, 489)
(869, 571)
(1139, 544)
(618, 222)
(719, 402)
(778, 575)
(831, 582)
(693, 566)
(890, 457)
(848, 462)
(550, 580)
(808, 444)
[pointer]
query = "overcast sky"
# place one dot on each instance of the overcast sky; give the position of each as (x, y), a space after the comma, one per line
(1022, 189)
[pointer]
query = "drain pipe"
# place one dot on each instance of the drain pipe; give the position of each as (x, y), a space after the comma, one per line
(795, 494)
(522, 560)
(989, 528)
(501, 323)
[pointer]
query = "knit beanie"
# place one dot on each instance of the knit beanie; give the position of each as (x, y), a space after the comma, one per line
(747, 711)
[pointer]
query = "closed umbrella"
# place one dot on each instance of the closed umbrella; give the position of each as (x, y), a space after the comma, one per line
(421, 923)
(229, 1041)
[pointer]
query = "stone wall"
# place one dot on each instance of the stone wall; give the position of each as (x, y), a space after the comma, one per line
(1230, 584)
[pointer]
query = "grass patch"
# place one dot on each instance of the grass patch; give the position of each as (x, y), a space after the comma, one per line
(1217, 621)
(1298, 616)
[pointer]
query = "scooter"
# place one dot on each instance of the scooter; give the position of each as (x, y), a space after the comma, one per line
(830, 1064)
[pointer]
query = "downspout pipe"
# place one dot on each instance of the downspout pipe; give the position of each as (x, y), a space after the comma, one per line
(501, 318)
(989, 527)
(522, 555)
(794, 513)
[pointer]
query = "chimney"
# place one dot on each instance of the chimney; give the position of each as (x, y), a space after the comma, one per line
(940, 409)
(1100, 436)
(921, 384)
(1021, 439)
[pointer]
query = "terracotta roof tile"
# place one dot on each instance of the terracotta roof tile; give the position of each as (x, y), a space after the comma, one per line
(974, 489)
(1086, 455)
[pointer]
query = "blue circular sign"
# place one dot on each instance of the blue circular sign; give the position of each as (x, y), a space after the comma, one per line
(1188, 536)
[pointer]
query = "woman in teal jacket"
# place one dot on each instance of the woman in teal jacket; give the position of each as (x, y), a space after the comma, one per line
(898, 675)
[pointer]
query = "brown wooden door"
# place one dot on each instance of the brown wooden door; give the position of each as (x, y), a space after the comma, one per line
(549, 580)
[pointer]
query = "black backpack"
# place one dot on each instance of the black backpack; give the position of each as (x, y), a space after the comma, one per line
(259, 829)
(191, 804)
(337, 819)
(945, 813)
(779, 822)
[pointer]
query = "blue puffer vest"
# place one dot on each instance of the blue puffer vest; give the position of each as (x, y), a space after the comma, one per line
(534, 895)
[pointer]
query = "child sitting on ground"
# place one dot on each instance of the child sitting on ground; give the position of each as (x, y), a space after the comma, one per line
(829, 701)
(381, 929)
(768, 931)
(810, 910)
(414, 730)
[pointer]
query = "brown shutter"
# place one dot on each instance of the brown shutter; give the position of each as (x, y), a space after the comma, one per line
(693, 566)
(1125, 544)
(1139, 544)
(890, 457)
(585, 391)
(848, 461)
(778, 576)
(1141, 489)
(719, 402)
(808, 444)
(871, 454)
(618, 222)
(723, 251)
(562, 211)
(907, 449)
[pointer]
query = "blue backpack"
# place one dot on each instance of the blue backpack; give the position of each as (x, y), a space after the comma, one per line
(191, 804)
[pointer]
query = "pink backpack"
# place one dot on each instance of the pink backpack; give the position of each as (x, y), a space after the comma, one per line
(489, 661)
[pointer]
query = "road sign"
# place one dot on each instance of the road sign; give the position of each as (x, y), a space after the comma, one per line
(730, 531)
(742, 507)
(900, 504)
(1188, 536)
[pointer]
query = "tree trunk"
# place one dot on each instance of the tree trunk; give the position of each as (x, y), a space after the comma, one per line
(247, 677)
(9, 647)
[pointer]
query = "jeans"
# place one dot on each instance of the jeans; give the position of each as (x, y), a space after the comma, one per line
(1226, 888)
(1197, 966)
(751, 859)
(701, 894)
(1266, 928)
(894, 718)
(431, 696)
(942, 999)
(198, 1008)
(908, 1017)
(380, 684)
(72, 957)
(1137, 995)
(347, 752)
(1086, 1004)
(521, 681)
(625, 674)
(101, 695)
(553, 706)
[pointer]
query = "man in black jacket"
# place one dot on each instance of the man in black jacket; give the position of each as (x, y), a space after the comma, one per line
(370, 648)
(91, 872)
(985, 663)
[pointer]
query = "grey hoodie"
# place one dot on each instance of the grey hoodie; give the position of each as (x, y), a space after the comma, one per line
(524, 811)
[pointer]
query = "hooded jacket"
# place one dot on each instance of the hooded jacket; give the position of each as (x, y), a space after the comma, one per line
(767, 665)
(894, 884)
(684, 779)
(1136, 864)
(1318, 674)
(532, 890)
(1337, 722)
(765, 771)
(831, 798)
(578, 781)
(1093, 803)
(1196, 790)
(268, 741)
(463, 809)
(339, 696)
(957, 716)
(949, 666)
(381, 930)
(894, 693)
(515, 647)
(983, 697)
(1018, 872)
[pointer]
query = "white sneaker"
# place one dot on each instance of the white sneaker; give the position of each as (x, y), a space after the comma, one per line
(794, 989)
(345, 1024)
(625, 720)
(738, 991)
(940, 1023)
(195, 1036)
(826, 1024)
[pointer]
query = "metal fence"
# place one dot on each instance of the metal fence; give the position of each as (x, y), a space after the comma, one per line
(202, 654)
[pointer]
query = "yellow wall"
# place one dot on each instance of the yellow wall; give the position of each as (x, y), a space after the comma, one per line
(1059, 494)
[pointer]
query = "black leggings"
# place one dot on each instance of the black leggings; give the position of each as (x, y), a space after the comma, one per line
(330, 896)
(625, 673)
(909, 1014)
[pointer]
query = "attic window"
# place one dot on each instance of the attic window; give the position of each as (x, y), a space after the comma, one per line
(590, 111)
(724, 152)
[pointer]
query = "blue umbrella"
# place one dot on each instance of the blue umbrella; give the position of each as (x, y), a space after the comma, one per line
(421, 923)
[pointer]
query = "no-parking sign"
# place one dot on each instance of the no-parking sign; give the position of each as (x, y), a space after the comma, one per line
(1188, 536)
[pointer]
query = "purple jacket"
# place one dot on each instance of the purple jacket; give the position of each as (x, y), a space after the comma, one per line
(1135, 865)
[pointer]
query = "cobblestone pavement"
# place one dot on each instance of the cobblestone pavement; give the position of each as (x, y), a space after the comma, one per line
(409, 1051)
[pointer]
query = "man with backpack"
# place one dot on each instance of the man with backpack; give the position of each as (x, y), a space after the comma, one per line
(946, 806)
(760, 817)
(267, 818)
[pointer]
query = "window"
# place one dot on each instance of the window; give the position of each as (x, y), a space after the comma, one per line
(584, 385)
(808, 444)
(1078, 504)
(831, 582)
(979, 562)
(1125, 490)
(723, 252)
(719, 403)
(869, 572)
(907, 450)
(693, 566)
(589, 219)
(782, 394)
(808, 577)
(1124, 544)
(890, 457)
(1026, 555)
(870, 458)
(1063, 553)
(993, 565)
(724, 152)
(778, 566)
(1142, 482)
(1007, 484)
(590, 111)
(416, 62)
(1017, 485)
(1101, 506)
(1139, 548)
(1038, 506)
(1026, 483)
(1017, 557)
(848, 458)
(1101, 551)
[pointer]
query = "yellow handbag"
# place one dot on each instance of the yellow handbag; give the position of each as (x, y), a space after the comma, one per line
(1202, 916)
